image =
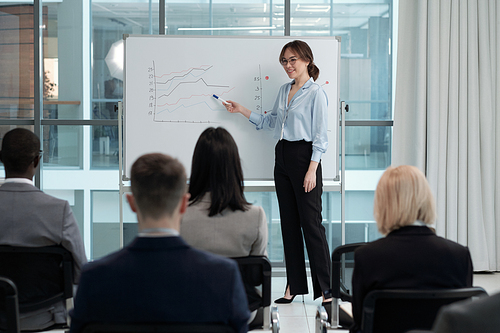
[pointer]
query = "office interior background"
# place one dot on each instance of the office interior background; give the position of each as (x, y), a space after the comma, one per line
(72, 105)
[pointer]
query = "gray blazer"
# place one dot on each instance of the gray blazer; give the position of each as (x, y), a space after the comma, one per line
(29, 217)
(230, 234)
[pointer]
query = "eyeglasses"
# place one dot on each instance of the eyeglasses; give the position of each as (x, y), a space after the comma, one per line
(291, 60)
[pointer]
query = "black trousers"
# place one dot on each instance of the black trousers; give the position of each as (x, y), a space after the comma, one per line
(300, 214)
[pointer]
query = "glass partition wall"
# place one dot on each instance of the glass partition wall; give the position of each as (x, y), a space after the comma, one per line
(82, 80)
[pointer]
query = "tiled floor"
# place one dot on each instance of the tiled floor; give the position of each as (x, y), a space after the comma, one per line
(298, 317)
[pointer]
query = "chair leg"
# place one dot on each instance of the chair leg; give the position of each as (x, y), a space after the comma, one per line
(69, 306)
(335, 313)
(321, 320)
(267, 318)
(275, 320)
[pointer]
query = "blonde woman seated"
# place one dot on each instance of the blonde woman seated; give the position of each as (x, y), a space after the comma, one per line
(219, 219)
(411, 255)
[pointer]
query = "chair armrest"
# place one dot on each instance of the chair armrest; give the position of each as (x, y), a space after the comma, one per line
(11, 305)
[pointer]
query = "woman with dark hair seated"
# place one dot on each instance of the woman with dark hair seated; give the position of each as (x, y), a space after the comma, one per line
(219, 219)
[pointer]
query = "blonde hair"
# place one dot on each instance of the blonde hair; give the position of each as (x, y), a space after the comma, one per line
(402, 196)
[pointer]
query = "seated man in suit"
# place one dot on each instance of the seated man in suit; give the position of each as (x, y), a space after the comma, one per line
(159, 277)
(31, 218)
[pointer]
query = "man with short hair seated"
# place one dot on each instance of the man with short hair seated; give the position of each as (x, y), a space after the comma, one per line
(159, 278)
(31, 218)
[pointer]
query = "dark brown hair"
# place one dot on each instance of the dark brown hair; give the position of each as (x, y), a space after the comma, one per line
(158, 183)
(303, 51)
(216, 168)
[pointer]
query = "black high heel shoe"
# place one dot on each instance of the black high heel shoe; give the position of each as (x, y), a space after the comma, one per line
(283, 300)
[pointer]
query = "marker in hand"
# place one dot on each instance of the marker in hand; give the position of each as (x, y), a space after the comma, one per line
(220, 99)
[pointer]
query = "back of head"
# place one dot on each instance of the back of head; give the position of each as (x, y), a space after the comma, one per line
(158, 183)
(304, 52)
(216, 168)
(403, 196)
(19, 148)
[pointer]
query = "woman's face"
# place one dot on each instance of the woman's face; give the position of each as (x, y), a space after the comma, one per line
(295, 67)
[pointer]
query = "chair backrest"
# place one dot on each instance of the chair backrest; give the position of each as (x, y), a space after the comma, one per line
(339, 288)
(157, 328)
(339, 278)
(43, 275)
(9, 311)
(256, 271)
(401, 310)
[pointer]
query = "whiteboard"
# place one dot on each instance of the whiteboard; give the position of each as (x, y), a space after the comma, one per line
(169, 82)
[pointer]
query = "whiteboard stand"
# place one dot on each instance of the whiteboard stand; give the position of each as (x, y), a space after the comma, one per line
(342, 172)
(120, 167)
(252, 186)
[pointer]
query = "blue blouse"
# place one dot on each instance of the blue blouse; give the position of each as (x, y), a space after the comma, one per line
(305, 118)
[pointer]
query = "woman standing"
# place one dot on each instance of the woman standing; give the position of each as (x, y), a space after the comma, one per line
(299, 120)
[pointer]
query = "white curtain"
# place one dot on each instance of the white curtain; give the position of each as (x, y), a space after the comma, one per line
(446, 115)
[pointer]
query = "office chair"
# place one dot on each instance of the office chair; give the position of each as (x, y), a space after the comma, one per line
(402, 310)
(157, 328)
(43, 275)
(9, 309)
(256, 271)
(339, 284)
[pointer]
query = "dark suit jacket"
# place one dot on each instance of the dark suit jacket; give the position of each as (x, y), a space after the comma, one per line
(411, 257)
(160, 280)
(482, 315)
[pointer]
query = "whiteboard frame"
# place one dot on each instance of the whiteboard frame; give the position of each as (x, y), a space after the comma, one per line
(337, 100)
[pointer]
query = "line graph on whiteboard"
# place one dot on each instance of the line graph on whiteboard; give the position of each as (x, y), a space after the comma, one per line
(182, 96)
